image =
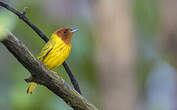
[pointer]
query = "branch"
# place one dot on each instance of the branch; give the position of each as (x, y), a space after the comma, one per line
(41, 75)
(22, 16)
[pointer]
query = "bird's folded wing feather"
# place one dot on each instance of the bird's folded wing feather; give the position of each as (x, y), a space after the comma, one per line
(46, 50)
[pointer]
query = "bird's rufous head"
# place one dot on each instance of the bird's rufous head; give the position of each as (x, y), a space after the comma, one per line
(66, 34)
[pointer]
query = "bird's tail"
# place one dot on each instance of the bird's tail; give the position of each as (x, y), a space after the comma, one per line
(31, 87)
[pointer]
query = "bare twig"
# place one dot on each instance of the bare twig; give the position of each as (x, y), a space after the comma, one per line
(41, 75)
(22, 16)
(24, 10)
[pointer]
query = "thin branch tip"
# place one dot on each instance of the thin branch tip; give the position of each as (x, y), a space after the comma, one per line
(23, 12)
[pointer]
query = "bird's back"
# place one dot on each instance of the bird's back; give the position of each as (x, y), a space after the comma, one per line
(55, 52)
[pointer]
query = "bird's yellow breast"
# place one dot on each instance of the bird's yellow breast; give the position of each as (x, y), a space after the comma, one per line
(57, 52)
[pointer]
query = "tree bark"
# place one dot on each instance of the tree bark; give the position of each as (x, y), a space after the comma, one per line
(41, 75)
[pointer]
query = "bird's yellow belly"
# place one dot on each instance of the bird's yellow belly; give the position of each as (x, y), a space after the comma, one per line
(56, 57)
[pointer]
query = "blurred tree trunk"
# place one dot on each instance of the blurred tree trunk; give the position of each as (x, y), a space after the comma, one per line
(168, 28)
(116, 53)
(168, 34)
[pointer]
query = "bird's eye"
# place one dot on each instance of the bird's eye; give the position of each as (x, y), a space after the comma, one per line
(64, 31)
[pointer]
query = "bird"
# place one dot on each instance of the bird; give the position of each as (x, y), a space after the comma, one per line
(55, 51)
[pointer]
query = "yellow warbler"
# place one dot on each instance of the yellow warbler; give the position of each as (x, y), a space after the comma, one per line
(55, 51)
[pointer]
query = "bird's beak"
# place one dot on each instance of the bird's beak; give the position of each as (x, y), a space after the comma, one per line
(74, 30)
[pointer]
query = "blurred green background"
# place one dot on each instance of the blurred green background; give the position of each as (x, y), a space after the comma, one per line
(124, 55)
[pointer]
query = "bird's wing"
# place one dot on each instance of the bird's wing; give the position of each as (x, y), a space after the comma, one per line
(46, 50)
